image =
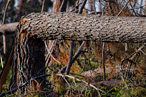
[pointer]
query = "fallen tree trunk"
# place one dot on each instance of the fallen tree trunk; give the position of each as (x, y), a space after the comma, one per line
(9, 28)
(29, 48)
(73, 26)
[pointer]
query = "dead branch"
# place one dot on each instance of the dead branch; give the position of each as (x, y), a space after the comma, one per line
(44, 92)
(69, 64)
(51, 50)
(123, 8)
(103, 60)
(82, 7)
(52, 55)
(76, 7)
(61, 6)
(74, 57)
(121, 70)
(22, 85)
(4, 17)
(9, 28)
(137, 51)
(4, 35)
(4, 43)
(89, 84)
(43, 6)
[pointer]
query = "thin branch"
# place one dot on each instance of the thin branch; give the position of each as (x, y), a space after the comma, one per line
(123, 8)
(129, 59)
(78, 52)
(103, 61)
(51, 50)
(76, 7)
(70, 58)
(9, 28)
(135, 53)
(89, 84)
(43, 6)
(66, 81)
(82, 7)
(25, 95)
(121, 70)
(22, 85)
(126, 46)
(61, 6)
(74, 57)
(4, 35)
(51, 54)
(132, 9)
(4, 42)
(143, 52)
(4, 17)
(1, 60)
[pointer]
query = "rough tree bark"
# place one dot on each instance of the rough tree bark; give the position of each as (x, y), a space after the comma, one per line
(56, 5)
(59, 5)
(27, 62)
(73, 26)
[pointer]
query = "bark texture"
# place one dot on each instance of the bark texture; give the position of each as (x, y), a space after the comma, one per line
(73, 26)
(56, 5)
(27, 62)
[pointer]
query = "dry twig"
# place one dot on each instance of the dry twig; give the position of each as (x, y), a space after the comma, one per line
(103, 61)
(82, 7)
(51, 50)
(123, 8)
(69, 64)
(22, 85)
(74, 57)
(52, 55)
(43, 6)
(89, 84)
(4, 35)
(129, 59)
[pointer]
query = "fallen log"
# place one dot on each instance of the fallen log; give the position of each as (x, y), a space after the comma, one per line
(72, 26)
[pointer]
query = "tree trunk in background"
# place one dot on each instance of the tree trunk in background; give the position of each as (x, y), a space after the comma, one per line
(59, 6)
(56, 5)
(90, 2)
(19, 9)
(12, 3)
